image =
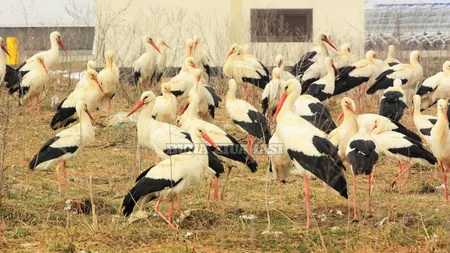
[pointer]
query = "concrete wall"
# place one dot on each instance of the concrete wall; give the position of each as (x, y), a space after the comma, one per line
(120, 26)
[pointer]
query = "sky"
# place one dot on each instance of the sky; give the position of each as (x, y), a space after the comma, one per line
(46, 12)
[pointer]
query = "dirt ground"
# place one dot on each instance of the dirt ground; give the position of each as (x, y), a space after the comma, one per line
(252, 218)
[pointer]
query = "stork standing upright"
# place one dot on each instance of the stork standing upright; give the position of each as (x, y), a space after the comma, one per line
(423, 123)
(161, 62)
(310, 152)
(390, 59)
(323, 88)
(245, 69)
(246, 117)
(440, 141)
(3, 60)
(311, 66)
(165, 109)
(66, 144)
(435, 87)
(393, 101)
(109, 80)
(145, 65)
(181, 84)
(409, 74)
(89, 90)
(201, 59)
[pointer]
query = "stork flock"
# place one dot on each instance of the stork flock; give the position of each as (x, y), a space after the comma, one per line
(295, 126)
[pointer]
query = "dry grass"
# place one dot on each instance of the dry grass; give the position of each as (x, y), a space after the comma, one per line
(33, 218)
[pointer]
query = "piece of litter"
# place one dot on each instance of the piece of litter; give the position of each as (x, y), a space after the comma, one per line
(68, 205)
(442, 186)
(339, 212)
(381, 222)
(335, 228)
(247, 217)
(188, 234)
(323, 217)
(55, 101)
(268, 232)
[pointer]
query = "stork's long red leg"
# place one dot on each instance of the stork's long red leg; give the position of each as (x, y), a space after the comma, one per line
(216, 189)
(355, 212)
(444, 176)
(57, 173)
(279, 187)
(399, 176)
(250, 142)
(161, 214)
(109, 105)
(308, 211)
(400, 172)
(170, 213)
(246, 94)
(209, 188)
(179, 203)
(222, 195)
(370, 195)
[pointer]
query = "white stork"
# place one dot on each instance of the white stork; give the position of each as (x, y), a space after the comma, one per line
(435, 87)
(109, 80)
(165, 109)
(390, 59)
(393, 102)
(310, 152)
(408, 73)
(440, 141)
(181, 84)
(312, 110)
(279, 62)
(271, 94)
(362, 154)
(345, 57)
(400, 147)
(245, 69)
(171, 177)
(311, 66)
(201, 59)
(161, 62)
(323, 88)
(66, 144)
(145, 65)
(89, 90)
(3, 60)
(246, 117)
(423, 123)
(33, 83)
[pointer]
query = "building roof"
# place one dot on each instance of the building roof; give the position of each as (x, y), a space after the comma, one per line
(38, 13)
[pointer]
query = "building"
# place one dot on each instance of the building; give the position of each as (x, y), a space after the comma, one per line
(271, 27)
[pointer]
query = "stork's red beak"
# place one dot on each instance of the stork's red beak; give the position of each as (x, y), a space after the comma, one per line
(280, 105)
(167, 45)
(136, 107)
(340, 116)
(155, 46)
(331, 44)
(335, 69)
(350, 107)
(210, 141)
(195, 45)
(62, 46)
(184, 108)
(373, 128)
(6, 51)
(45, 67)
(445, 114)
(230, 53)
(90, 115)
(99, 85)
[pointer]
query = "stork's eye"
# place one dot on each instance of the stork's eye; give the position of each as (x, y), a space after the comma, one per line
(145, 97)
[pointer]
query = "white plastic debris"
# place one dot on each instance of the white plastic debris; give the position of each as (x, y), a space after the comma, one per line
(323, 217)
(247, 217)
(339, 212)
(68, 205)
(442, 186)
(381, 222)
(120, 118)
(269, 232)
(188, 234)
(335, 228)
(55, 101)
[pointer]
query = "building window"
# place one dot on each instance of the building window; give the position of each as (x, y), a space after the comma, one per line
(281, 25)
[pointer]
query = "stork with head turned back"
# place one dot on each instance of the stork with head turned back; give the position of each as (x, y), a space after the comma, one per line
(311, 66)
(201, 59)
(89, 90)
(423, 123)
(345, 57)
(271, 93)
(435, 87)
(440, 141)
(66, 144)
(109, 80)
(145, 65)
(393, 102)
(165, 109)
(323, 88)
(408, 73)
(245, 69)
(310, 152)
(279, 63)
(246, 117)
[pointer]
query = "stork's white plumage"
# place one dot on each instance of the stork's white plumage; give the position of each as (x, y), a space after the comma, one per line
(51, 56)
(393, 102)
(91, 65)
(284, 75)
(367, 121)
(246, 117)
(181, 84)
(440, 141)
(311, 66)
(410, 74)
(345, 57)
(145, 65)
(109, 79)
(323, 88)
(271, 94)
(33, 83)
(89, 90)
(310, 152)
(67, 143)
(161, 62)
(3, 60)
(423, 123)
(165, 109)
(245, 69)
(390, 59)
(171, 177)
(349, 127)
(435, 87)
(201, 59)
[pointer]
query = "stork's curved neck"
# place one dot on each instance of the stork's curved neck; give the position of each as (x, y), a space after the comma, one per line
(323, 48)
(350, 119)
(85, 121)
(187, 68)
(231, 94)
(441, 127)
(390, 52)
(146, 113)
(288, 105)
(54, 45)
(110, 63)
(414, 61)
(330, 70)
(446, 71)
(2, 57)
(417, 111)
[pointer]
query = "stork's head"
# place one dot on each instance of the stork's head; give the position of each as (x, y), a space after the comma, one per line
(276, 72)
(91, 75)
(196, 41)
(442, 108)
(3, 46)
(235, 48)
(56, 36)
(82, 106)
(345, 49)
(40, 60)
(371, 55)
(165, 88)
(414, 57)
(190, 62)
(446, 67)
(189, 45)
(150, 41)
(91, 65)
(279, 61)
(146, 98)
(324, 38)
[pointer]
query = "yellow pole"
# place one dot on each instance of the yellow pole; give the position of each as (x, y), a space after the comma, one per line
(13, 49)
